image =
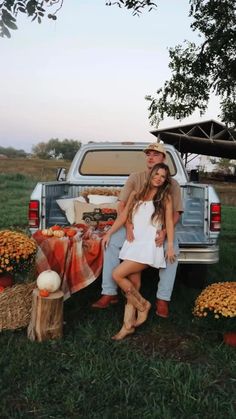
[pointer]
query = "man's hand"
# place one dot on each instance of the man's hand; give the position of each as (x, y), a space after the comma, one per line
(160, 238)
(129, 232)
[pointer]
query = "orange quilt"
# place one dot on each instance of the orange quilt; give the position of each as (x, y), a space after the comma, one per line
(78, 259)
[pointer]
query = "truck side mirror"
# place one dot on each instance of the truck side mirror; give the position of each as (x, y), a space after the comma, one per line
(194, 175)
(61, 174)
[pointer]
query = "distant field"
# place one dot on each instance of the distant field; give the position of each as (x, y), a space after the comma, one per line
(37, 169)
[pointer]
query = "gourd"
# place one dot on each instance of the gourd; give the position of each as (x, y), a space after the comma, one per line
(47, 232)
(49, 280)
(58, 233)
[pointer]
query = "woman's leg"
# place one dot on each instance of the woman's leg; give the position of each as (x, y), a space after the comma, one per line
(127, 272)
(128, 276)
(136, 280)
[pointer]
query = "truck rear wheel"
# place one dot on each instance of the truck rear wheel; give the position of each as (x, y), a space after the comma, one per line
(193, 275)
(87, 220)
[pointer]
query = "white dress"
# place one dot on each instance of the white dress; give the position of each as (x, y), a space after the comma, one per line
(143, 249)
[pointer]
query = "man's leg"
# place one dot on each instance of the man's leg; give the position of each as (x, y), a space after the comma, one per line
(110, 261)
(166, 284)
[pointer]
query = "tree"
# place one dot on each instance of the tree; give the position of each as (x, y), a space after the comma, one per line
(224, 166)
(55, 149)
(12, 152)
(199, 70)
(37, 9)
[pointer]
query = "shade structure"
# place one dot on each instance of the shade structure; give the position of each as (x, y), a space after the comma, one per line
(210, 138)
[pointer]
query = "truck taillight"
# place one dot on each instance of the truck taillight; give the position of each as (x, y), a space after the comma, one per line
(33, 214)
(215, 217)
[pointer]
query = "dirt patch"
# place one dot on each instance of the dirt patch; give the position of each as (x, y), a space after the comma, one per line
(174, 345)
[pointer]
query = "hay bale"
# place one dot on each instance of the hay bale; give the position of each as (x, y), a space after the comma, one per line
(15, 306)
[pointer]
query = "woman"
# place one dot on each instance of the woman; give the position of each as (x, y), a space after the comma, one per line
(147, 211)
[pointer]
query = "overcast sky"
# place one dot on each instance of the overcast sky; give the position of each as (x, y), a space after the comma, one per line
(85, 76)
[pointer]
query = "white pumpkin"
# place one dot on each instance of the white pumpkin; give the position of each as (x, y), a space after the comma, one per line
(49, 280)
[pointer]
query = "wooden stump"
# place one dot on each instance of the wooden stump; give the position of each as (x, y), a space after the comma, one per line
(46, 316)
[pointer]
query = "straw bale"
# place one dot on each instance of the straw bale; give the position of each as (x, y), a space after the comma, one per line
(15, 306)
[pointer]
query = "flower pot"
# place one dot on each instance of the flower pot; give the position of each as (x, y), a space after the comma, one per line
(6, 280)
(230, 338)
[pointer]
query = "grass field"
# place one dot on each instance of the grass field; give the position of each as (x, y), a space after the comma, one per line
(174, 368)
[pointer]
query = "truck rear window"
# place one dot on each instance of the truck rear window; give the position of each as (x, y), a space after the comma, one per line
(117, 162)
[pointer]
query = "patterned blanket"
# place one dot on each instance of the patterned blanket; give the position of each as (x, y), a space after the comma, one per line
(78, 259)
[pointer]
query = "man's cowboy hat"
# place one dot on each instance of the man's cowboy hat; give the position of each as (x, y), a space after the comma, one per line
(155, 147)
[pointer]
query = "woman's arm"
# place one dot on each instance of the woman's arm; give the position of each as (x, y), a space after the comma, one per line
(120, 220)
(170, 254)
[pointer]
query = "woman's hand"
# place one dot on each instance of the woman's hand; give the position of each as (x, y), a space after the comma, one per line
(170, 255)
(129, 232)
(106, 239)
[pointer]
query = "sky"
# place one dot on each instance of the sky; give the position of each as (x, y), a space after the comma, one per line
(85, 76)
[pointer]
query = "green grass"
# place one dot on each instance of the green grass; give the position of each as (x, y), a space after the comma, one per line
(15, 191)
(173, 368)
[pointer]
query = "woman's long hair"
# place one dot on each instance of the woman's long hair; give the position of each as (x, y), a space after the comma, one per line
(160, 197)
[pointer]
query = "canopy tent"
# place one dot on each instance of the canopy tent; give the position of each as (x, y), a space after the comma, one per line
(209, 138)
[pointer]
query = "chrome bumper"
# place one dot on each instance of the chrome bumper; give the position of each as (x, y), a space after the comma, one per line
(207, 255)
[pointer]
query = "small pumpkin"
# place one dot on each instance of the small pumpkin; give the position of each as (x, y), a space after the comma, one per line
(49, 280)
(230, 338)
(6, 280)
(70, 232)
(55, 227)
(58, 233)
(44, 293)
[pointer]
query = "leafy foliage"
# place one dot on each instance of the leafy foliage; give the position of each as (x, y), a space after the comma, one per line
(135, 5)
(12, 152)
(55, 149)
(226, 166)
(198, 70)
(36, 9)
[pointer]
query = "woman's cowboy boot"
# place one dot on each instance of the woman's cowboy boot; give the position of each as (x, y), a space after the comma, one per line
(136, 299)
(142, 315)
(129, 321)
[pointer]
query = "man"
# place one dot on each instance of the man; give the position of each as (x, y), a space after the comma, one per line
(155, 153)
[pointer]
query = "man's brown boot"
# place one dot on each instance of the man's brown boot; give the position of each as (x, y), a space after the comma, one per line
(162, 308)
(105, 301)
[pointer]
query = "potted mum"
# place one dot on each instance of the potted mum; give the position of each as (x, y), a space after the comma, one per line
(17, 253)
(218, 302)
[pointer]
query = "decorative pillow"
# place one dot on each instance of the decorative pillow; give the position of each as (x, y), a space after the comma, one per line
(102, 199)
(92, 214)
(67, 205)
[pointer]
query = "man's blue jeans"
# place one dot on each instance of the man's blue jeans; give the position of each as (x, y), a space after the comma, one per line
(111, 260)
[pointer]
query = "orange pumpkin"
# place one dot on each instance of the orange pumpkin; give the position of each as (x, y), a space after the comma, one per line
(230, 338)
(44, 293)
(55, 227)
(70, 232)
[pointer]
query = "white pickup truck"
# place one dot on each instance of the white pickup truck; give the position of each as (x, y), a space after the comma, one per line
(106, 164)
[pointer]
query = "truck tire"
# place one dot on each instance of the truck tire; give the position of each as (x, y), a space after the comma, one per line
(193, 275)
(87, 220)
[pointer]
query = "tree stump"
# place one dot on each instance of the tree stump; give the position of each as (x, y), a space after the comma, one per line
(46, 316)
